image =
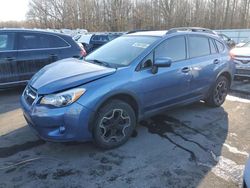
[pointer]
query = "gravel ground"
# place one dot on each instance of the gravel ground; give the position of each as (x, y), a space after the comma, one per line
(192, 146)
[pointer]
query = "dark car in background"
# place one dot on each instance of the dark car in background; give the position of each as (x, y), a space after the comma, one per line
(95, 40)
(24, 52)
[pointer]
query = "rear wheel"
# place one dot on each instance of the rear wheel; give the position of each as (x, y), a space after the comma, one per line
(219, 92)
(114, 124)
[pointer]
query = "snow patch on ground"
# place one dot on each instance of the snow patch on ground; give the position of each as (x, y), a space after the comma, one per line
(237, 99)
(235, 150)
(226, 169)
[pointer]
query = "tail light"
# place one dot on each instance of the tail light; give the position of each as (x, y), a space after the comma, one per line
(83, 52)
(232, 55)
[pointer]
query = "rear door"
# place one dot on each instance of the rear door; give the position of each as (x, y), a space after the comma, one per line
(204, 57)
(35, 50)
(8, 53)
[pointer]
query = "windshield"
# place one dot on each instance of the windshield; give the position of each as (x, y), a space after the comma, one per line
(121, 51)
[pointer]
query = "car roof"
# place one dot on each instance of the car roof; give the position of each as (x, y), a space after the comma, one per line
(31, 31)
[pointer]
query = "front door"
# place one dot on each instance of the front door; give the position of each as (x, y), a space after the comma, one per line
(171, 84)
(8, 69)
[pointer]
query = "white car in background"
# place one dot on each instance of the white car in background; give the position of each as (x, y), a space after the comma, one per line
(243, 42)
(83, 39)
(241, 57)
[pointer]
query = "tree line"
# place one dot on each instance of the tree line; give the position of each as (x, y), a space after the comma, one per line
(124, 15)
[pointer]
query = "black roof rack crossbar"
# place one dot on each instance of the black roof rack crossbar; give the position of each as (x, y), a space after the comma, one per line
(192, 29)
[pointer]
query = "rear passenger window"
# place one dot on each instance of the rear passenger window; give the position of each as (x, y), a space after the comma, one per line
(174, 48)
(39, 41)
(212, 47)
(6, 41)
(32, 41)
(198, 46)
(57, 42)
(220, 46)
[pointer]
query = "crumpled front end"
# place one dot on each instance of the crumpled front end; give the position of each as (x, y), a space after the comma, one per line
(68, 123)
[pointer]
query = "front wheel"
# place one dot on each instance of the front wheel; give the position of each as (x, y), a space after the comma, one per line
(114, 124)
(219, 92)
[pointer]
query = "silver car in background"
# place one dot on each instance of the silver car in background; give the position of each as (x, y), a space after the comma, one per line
(241, 58)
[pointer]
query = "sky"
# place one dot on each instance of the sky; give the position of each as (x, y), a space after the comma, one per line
(13, 10)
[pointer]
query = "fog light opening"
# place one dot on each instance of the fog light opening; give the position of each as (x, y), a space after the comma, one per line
(61, 129)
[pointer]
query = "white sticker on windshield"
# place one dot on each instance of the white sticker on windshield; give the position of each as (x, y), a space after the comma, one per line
(140, 45)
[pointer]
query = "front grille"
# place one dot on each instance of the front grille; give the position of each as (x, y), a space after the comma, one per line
(244, 61)
(30, 95)
(243, 71)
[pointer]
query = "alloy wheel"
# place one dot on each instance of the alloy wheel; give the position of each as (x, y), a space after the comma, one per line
(220, 92)
(113, 125)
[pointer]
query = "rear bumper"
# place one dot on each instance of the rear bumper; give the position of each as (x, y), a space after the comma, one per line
(58, 124)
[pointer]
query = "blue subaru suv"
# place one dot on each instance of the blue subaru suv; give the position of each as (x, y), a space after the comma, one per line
(137, 75)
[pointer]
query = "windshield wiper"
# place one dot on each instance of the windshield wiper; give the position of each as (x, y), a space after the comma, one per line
(96, 61)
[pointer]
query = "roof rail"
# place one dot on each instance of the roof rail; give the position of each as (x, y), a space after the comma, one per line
(137, 30)
(192, 29)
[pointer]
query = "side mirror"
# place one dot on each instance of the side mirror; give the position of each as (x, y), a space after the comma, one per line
(161, 62)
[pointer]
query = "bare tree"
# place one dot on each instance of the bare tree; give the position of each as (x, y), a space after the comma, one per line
(122, 15)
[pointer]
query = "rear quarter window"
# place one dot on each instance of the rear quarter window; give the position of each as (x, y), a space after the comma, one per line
(220, 46)
(57, 42)
(212, 46)
(198, 46)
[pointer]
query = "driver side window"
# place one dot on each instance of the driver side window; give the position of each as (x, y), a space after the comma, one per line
(174, 48)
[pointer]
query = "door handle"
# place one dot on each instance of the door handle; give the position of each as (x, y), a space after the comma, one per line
(9, 59)
(216, 61)
(185, 69)
(54, 57)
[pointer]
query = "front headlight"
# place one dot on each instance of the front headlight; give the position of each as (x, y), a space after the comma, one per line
(63, 99)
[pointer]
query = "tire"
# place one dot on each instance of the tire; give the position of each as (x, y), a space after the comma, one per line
(113, 125)
(218, 93)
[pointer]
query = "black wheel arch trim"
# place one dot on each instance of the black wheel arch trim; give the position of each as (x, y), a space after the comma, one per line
(221, 73)
(227, 74)
(120, 96)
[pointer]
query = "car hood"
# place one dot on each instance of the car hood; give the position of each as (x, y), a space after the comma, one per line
(67, 73)
(240, 44)
(242, 51)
